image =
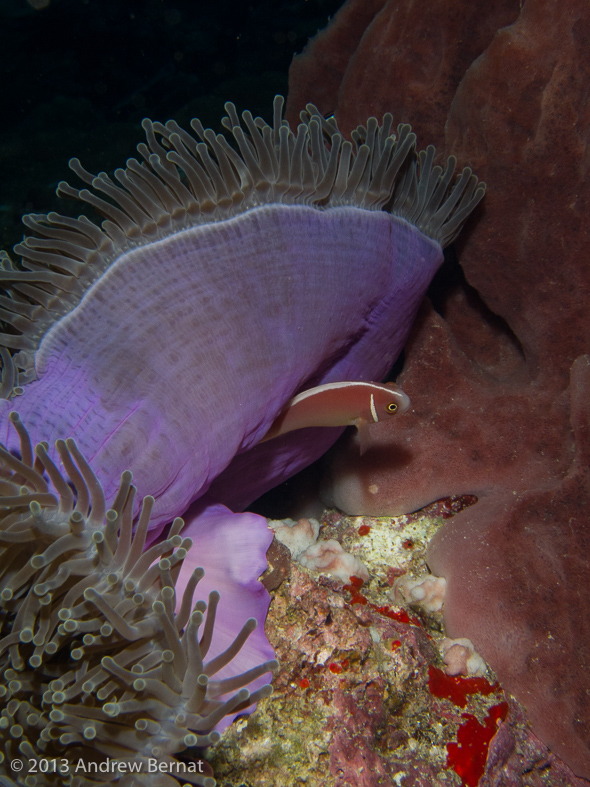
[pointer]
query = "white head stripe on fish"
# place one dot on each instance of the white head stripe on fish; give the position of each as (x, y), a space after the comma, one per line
(373, 410)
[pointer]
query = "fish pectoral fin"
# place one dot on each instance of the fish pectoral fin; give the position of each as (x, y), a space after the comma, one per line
(364, 437)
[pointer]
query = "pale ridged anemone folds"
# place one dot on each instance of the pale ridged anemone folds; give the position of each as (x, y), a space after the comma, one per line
(95, 661)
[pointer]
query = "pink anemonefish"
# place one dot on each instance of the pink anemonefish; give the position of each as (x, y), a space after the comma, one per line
(341, 404)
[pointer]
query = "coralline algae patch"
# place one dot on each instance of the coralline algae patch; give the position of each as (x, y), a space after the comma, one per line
(354, 700)
(387, 546)
(392, 547)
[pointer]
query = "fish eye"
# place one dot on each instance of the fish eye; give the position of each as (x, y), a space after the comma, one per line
(391, 407)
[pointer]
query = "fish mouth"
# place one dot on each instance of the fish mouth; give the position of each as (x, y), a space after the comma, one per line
(403, 403)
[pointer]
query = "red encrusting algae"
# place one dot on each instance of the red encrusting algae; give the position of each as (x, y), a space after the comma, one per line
(456, 687)
(401, 616)
(397, 614)
(356, 582)
(468, 756)
(353, 588)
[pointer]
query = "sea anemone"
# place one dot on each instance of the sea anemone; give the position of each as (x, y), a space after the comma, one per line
(103, 655)
(229, 274)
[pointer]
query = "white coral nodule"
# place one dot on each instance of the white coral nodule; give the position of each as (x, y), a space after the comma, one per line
(97, 665)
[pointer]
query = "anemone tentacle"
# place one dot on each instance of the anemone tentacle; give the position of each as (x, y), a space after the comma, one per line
(95, 661)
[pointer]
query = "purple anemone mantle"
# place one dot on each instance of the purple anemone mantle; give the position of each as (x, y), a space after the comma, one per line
(223, 281)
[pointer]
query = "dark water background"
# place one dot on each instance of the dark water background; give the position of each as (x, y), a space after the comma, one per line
(78, 76)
